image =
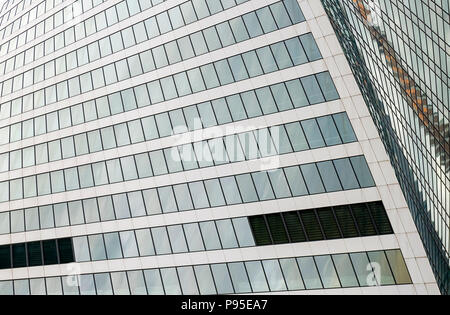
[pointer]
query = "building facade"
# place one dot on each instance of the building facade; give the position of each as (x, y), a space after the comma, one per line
(193, 147)
(399, 52)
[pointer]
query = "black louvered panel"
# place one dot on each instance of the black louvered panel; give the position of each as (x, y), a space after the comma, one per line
(65, 250)
(294, 227)
(49, 249)
(260, 231)
(346, 221)
(329, 225)
(277, 228)
(19, 255)
(311, 225)
(363, 220)
(5, 257)
(34, 254)
(381, 218)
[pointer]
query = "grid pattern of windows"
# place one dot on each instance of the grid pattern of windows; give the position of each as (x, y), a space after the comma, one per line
(346, 221)
(110, 16)
(177, 129)
(272, 275)
(306, 225)
(282, 96)
(261, 21)
(282, 183)
(38, 253)
(321, 177)
(8, 21)
(237, 68)
(399, 53)
(293, 137)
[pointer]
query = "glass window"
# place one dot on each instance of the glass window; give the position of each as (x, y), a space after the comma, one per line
(398, 266)
(312, 178)
(112, 244)
(274, 275)
(198, 43)
(91, 210)
(327, 272)
(120, 283)
(263, 186)
(137, 206)
(312, 89)
(230, 190)
(171, 282)
(210, 235)
(198, 190)
(328, 173)
(313, 134)
(129, 246)
(81, 249)
(121, 206)
(346, 174)
(239, 277)
(193, 237)
(205, 280)
(362, 171)
(106, 210)
(222, 279)
(309, 272)
(310, 46)
(215, 194)
(266, 19)
(103, 284)
(247, 188)
(292, 274)
(329, 130)
(266, 58)
(345, 128)
(226, 232)
(380, 266)
(154, 282)
(177, 239)
(137, 283)
(167, 197)
(279, 184)
(187, 280)
(297, 137)
(145, 242)
(345, 271)
(97, 247)
(257, 277)
(161, 241)
(327, 86)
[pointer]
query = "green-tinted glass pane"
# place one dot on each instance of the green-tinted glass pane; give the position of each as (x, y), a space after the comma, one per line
(65, 250)
(260, 231)
(277, 229)
(19, 256)
(329, 224)
(346, 222)
(362, 216)
(294, 227)
(380, 217)
(311, 225)
(50, 254)
(5, 257)
(34, 254)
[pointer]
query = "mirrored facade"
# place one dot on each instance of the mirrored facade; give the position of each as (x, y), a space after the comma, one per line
(192, 147)
(399, 51)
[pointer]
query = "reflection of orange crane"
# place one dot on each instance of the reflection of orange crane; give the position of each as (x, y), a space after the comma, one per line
(415, 97)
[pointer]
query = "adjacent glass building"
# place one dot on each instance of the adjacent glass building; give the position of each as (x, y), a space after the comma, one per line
(399, 52)
(198, 147)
